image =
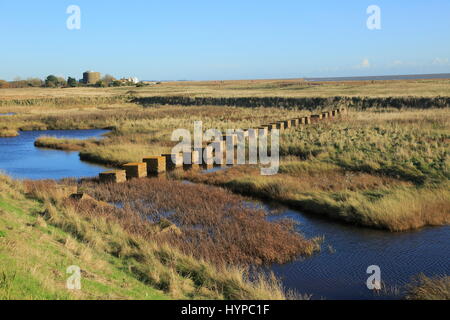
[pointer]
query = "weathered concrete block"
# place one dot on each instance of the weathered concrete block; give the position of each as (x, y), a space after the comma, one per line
(263, 131)
(227, 138)
(208, 155)
(295, 122)
(325, 115)
(173, 161)
(155, 165)
(316, 117)
(115, 176)
(307, 120)
(219, 152)
(191, 160)
(280, 125)
(272, 126)
(135, 170)
(287, 124)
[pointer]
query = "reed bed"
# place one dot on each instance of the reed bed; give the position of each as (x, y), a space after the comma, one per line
(425, 288)
(152, 249)
(209, 223)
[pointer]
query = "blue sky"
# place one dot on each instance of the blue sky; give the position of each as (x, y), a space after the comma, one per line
(224, 39)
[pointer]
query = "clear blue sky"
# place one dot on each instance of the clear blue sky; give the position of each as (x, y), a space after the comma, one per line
(179, 39)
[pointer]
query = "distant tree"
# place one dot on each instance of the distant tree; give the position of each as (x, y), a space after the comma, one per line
(30, 82)
(116, 83)
(72, 82)
(61, 82)
(108, 79)
(34, 82)
(4, 84)
(100, 84)
(51, 81)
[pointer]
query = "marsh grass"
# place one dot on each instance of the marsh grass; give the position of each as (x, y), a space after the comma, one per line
(8, 133)
(425, 288)
(62, 144)
(208, 222)
(363, 200)
(146, 250)
(345, 168)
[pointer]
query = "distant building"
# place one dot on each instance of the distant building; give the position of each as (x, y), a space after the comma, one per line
(91, 77)
(133, 80)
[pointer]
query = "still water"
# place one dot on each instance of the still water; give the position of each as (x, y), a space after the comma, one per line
(19, 158)
(339, 270)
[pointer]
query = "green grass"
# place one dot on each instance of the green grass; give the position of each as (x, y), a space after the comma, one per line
(43, 234)
(34, 256)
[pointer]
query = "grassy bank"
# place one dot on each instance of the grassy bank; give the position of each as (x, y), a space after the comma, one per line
(42, 234)
(35, 255)
(8, 133)
(374, 202)
(425, 288)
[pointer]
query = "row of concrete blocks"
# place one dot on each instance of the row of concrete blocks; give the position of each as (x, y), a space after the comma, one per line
(156, 165)
(292, 123)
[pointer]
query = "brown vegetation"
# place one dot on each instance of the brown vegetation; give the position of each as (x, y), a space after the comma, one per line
(425, 288)
(207, 222)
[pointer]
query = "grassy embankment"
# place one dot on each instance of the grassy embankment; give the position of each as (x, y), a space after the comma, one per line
(42, 233)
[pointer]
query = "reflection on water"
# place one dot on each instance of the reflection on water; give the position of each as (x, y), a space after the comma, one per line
(339, 271)
(19, 157)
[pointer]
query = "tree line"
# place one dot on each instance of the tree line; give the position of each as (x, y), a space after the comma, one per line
(53, 81)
